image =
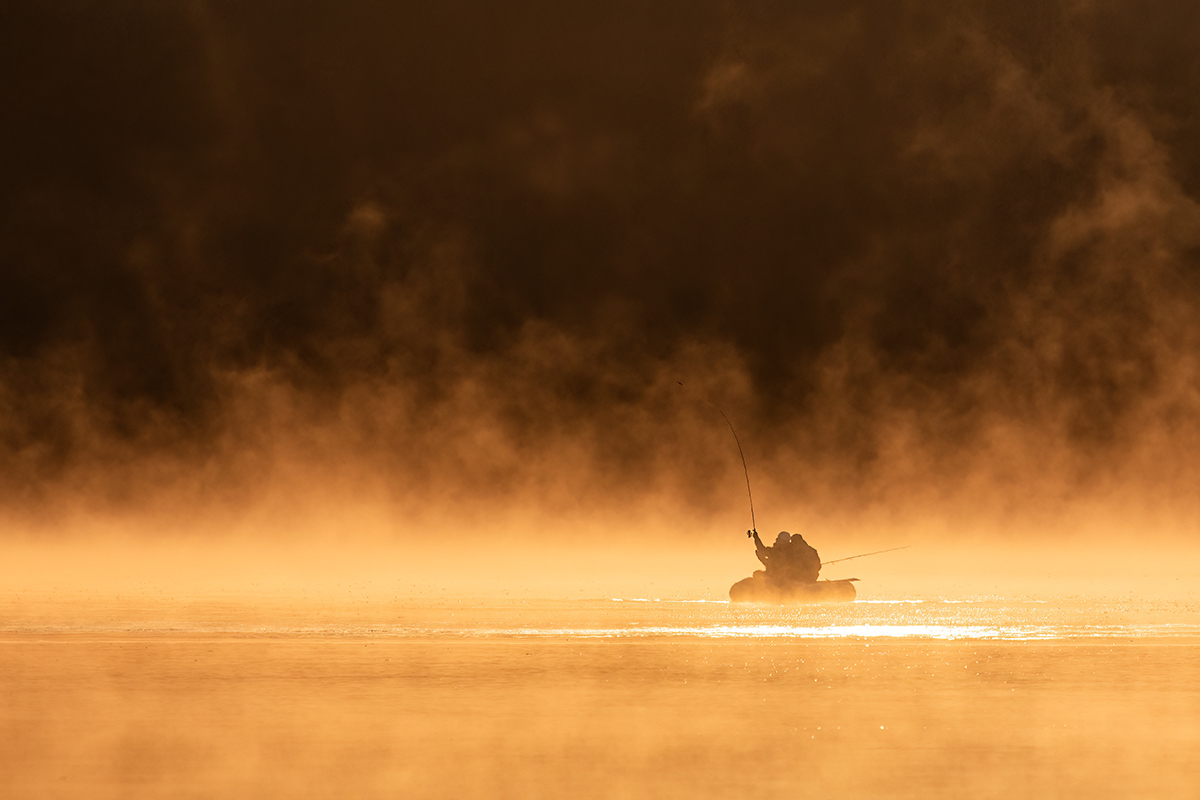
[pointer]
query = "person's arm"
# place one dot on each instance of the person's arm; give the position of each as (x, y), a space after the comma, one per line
(760, 549)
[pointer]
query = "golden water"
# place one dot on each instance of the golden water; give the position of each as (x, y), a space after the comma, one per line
(971, 696)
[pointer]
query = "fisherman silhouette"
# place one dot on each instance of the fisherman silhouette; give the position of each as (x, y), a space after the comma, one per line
(790, 569)
(790, 560)
(803, 560)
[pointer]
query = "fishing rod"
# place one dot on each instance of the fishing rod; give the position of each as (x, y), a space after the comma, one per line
(863, 555)
(753, 525)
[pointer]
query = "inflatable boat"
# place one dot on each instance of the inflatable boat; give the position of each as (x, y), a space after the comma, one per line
(758, 589)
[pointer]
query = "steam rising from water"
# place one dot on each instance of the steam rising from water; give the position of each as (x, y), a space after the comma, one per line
(445, 266)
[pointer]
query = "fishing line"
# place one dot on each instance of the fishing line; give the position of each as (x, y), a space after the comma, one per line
(862, 555)
(753, 525)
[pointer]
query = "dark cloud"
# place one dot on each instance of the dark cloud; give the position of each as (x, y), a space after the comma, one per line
(901, 240)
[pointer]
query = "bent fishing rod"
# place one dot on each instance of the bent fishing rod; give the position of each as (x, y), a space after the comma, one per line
(753, 525)
(864, 555)
(746, 471)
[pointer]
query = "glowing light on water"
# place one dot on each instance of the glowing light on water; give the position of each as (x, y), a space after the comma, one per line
(864, 631)
(890, 602)
(947, 632)
(877, 631)
(614, 618)
(657, 600)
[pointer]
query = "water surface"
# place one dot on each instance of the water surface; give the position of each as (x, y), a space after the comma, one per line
(966, 696)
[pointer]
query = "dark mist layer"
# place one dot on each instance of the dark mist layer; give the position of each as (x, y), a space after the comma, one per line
(931, 257)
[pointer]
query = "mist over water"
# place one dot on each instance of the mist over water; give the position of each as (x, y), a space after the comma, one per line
(297, 681)
(936, 264)
(356, 363)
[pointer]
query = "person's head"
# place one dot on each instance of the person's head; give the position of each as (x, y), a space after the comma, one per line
(783, 538)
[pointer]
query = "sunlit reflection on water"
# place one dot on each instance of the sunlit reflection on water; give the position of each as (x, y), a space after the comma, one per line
(866, 631)
(825, 632)
(913, 697)
(948, 619)
(978, 619)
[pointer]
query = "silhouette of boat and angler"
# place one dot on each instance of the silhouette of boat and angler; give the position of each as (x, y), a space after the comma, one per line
(789, 575)
(791, 565)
